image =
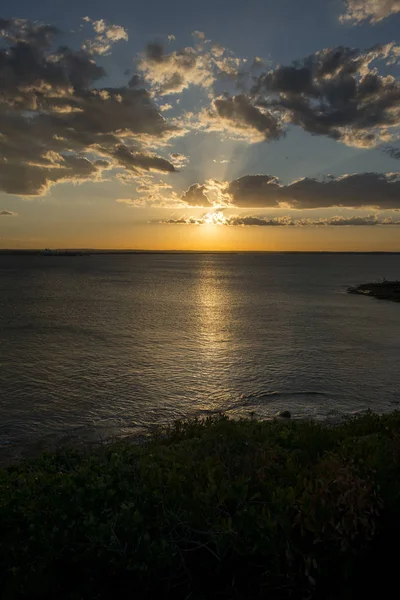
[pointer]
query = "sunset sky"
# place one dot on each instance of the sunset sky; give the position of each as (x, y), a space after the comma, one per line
(218, 125)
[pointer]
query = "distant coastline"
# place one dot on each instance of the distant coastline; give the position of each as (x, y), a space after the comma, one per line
(94, 251)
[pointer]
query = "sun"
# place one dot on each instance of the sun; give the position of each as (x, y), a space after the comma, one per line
(214, 218)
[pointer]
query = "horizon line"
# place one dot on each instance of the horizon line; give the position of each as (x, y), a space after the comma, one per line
(5, 251)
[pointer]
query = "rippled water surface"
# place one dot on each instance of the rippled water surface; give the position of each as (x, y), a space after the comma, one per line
(112, 344)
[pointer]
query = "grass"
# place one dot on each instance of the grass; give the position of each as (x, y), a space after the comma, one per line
(207, 509)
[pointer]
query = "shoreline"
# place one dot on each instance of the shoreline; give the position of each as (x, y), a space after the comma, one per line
(13, 454)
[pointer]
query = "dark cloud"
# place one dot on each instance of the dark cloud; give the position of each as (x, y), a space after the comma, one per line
(138, 160)
(336, 93)
(239, 114)
(57, 124)
(336, 221)
(351, 191)
(35, 178)
(265, 191)
(195, 196)
(371, 10)
(393, 152)
(21, 30)
(249, 220)
(7, 213)
(255, 191)
(218, 218)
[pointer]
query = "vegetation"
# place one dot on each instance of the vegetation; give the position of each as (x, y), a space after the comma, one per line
(206, 509)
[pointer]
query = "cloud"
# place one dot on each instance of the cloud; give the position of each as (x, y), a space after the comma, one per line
(131, 159)
(393, 152)
(133, 202)
(239, 118)
(202, 65)
(178, 160)
(171, 73)
(199, 35)
(360, 190)
(153, 192)
(58, 124)
(39, 35)
(350, 191)
(106, 35)
(218, 218)
(35, 179)
(195, 196)
(369, 10)
(7, 213)
(337, 93)
(212, 218)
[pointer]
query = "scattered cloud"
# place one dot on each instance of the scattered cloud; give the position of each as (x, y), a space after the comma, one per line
(153, 193)
(369, 10)
(218, 218)
(171, 73)
(178, 160)
(7, 213)
(105, 35)
(336, 92)
(57, 124)
(199, 35)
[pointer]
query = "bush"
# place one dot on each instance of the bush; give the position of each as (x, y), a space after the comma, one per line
(208, 508)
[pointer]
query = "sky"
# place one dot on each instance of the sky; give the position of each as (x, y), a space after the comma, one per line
(217, 125)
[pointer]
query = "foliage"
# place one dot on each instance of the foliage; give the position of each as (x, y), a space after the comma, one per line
(209, 508)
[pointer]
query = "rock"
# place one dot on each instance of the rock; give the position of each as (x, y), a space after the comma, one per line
(284, 414)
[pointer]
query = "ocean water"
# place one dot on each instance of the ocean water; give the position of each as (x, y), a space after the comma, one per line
(104, 345)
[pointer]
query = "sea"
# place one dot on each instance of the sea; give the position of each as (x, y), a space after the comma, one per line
(99, 346)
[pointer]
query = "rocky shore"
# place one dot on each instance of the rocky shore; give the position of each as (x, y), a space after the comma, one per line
(384, 290)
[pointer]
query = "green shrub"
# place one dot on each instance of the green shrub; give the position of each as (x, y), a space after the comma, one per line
(209, 508)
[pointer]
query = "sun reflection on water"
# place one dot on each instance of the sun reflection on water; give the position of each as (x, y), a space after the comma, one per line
(214, 327)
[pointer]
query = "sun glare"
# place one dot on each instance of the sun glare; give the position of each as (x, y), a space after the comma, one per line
(214, 218)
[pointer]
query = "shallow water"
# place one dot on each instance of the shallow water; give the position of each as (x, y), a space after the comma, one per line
(104, 345)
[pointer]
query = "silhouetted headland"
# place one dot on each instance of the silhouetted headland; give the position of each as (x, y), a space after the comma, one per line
(384, 290)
